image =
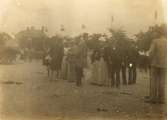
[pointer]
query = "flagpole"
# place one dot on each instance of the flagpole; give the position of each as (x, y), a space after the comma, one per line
(156, 17)
(83, 27)
(62, 30)
(112, 21)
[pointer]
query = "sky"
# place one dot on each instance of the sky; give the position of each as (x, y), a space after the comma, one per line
(130, 15)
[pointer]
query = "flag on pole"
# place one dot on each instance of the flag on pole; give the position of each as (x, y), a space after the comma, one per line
(83, 26)
(62, 28)
(156, 15)
(112, 19)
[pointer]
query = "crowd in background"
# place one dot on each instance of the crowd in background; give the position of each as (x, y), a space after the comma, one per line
(112, 60)
(109, 60)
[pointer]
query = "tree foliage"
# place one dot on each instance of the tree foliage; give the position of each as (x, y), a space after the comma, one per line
(144, 39)
(32, 39)
(93, 41)
(4, 37)
(120, 39)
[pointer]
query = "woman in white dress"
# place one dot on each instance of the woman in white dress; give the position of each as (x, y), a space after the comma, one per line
(103, 73)
(99, 69)
(71, 59)
(95, 68)
(64, 65)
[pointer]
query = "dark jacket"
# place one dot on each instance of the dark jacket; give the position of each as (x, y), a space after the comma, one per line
(133, 55)
(158, 53)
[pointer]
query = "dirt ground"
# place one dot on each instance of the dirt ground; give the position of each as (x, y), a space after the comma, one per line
(27, 94)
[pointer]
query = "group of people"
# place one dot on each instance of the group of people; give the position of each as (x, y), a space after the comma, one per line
(107, 62)
(110, 61)
(66, 62)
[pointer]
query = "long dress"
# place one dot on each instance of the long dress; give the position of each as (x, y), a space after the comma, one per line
(87, 71)
(95, 73)
(103, 73)
(71, 73)
(95, 68)
(64, 68)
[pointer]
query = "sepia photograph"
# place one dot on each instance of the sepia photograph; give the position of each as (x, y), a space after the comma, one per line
(83, 59)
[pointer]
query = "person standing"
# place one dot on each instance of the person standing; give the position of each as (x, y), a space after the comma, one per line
(56, 52)
(81, 61)
(95, 60)
(115, 65)
(103, 70)
(124, 55)
(158, 57)
(132, 64)
(123, 70)
(107, 59)
(64, 65)
(71, 60)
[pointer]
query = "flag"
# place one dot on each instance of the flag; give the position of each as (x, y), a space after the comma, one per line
(62, 28)
(156, 15)
(112, 19)
(83, 26)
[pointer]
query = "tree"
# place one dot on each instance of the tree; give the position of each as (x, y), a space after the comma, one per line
(120, 39)
(8, 54)
(144, 39)
(93, 41)
(32, 38)
(4, 37)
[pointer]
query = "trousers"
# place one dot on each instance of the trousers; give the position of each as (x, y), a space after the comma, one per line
(79, 75)
(157, 84)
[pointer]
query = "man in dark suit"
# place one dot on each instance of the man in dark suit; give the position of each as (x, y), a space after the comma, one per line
(107, 58)
(132, 63)
(123, 69)
(116, 60)
(81, 61)
(158, 58)
(113, 56)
